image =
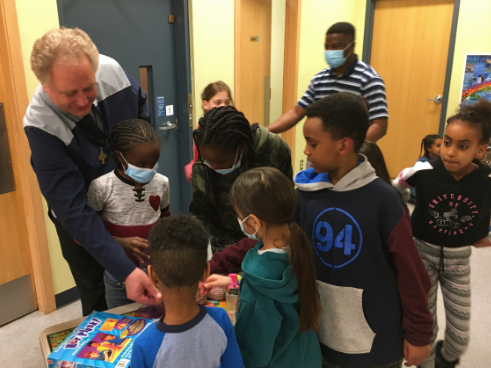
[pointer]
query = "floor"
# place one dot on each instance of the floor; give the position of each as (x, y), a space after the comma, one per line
(19, 340)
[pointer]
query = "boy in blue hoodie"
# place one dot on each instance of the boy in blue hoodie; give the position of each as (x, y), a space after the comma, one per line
(371, 279)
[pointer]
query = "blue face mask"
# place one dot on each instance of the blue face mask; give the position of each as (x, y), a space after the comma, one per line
(250, 236)
(138, 174)
(227, 171)
(335, 58)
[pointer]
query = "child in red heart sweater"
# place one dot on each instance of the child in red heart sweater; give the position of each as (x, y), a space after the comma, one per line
(132, 198)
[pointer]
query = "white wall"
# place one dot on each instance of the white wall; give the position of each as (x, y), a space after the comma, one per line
(316, 17)
(32, 25)
(212, 46)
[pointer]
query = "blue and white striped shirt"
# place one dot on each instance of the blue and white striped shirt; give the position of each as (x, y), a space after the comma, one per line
(359, 78)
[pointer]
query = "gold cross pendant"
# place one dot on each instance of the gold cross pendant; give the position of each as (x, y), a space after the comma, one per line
(102, 157)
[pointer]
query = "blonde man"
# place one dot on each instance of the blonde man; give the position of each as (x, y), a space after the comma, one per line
(81, 96)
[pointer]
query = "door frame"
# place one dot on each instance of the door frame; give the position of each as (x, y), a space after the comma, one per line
(181, 46)
(290, 67)
(290, 63)
(15, 81)
(367, 52)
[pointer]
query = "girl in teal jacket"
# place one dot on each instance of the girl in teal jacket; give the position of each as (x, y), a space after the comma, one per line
(279, 305)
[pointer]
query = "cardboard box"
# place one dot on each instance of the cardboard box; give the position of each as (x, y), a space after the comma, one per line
(44, 337)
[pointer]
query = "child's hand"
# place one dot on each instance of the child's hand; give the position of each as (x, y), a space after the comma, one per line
(200, 297)
(214, 281)
(202, 290)
(415, 355)
(135, 247)
(484, 242)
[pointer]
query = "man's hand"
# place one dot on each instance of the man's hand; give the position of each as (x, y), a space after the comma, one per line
(135, 247)
(140, 289)
(484, 242)
(415, 355)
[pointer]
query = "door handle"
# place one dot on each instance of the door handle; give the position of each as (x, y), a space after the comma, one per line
(169, 126)
(438, 99)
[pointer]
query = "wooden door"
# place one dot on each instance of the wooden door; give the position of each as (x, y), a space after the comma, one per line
(253, 59)
(409, 51)
(16, 284)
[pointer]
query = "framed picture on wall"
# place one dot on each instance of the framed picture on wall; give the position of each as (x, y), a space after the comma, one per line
(477, 78)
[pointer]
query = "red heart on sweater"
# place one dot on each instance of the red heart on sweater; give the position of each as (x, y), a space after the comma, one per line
(155, 202)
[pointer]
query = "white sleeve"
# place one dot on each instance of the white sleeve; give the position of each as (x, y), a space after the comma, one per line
(95, 196)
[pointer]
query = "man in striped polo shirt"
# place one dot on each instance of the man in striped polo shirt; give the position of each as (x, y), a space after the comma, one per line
(345, 74)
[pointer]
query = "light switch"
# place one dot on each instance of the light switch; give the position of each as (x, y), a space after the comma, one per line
(169, 110)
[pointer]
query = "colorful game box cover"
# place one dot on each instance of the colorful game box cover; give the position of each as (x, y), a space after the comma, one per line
(102, 340)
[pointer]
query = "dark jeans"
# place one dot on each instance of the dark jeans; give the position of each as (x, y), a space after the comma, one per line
(86, 271)
(115, 292)
(326, 364)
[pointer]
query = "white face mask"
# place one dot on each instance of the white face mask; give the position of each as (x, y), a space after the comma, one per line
(228, 171)
(250, 236)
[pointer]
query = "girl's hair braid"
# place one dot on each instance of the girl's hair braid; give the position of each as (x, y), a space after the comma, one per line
(426, 143)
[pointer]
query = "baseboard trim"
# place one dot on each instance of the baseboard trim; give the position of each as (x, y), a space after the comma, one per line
(66, 297)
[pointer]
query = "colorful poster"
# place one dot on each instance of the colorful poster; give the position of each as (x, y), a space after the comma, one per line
(477, 78)
(103, 340)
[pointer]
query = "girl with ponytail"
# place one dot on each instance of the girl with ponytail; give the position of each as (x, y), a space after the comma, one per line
(279, 305)
(430, 147)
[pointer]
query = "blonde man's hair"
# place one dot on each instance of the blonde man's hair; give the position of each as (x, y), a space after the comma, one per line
(63, 44)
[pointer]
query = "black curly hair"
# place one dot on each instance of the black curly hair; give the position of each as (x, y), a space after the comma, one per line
(343, 115)
(343, 28)
(477, 115)
(129, 133)
(178, 249)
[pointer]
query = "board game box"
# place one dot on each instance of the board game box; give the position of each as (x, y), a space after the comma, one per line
(55, 339)
(102, 340)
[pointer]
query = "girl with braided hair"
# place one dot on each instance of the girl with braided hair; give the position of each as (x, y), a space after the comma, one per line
(215, 94)
(228, 146)
(430, 149)
(132, 198)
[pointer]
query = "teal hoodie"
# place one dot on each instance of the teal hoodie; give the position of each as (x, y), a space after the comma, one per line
(268, 316)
